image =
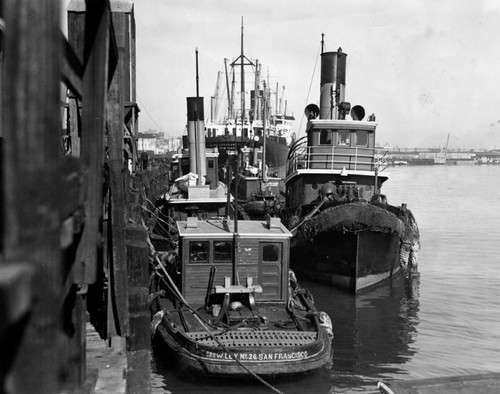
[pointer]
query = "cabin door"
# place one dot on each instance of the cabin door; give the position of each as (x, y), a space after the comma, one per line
(270, 270)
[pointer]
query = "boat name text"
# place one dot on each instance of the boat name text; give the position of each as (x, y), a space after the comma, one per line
(259, 356)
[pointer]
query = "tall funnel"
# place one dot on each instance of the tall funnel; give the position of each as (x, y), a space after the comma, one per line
(196, 135)
(333, 68)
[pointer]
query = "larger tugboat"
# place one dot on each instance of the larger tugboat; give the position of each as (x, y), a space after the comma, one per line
(345, 232)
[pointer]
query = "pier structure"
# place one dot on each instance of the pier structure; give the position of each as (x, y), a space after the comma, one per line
(73, 244)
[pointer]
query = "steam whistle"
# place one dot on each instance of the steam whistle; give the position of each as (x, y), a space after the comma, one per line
(311, 111)
(357, 112)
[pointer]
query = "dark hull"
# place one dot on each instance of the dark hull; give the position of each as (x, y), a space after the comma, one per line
(346, 260)
(353, 246)
(262, 360)
(276, 155)
(263, 338)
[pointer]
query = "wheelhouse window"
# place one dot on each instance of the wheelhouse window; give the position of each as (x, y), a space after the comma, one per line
(199, 251)
(361, 138)
(344, 137)
(271, 252)
(325, 137)
(223, 251)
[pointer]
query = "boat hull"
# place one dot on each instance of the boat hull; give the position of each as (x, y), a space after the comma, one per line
(351, 246)
(262, 360)
(346, 260)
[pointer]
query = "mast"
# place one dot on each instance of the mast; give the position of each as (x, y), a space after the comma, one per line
(242, 90)
(258, 108)
(277, 99)
(232, 115)
(215, 99)
(445, 150)
(264, 109)
(241, 59)
(256, 91)
(227, 88)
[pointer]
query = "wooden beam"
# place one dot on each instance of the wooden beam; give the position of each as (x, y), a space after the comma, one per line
(71, 69)
(32, 182)
(95, 86)
(116, 166)
(139, 341)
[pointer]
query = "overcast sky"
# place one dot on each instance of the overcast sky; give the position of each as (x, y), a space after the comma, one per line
(426, 68)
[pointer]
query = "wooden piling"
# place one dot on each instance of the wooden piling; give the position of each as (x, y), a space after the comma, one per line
(139, 340)
(33, 192)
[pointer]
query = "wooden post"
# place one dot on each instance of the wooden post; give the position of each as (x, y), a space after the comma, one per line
(32, 183)
(139, 341)
(95, 84)
(116, 166)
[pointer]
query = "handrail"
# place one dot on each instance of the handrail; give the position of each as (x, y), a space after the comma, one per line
(302, 156)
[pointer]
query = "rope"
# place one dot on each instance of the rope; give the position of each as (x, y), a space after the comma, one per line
(202, 323)
(310, 85)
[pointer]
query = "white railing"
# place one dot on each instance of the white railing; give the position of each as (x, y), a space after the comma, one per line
(334, 158)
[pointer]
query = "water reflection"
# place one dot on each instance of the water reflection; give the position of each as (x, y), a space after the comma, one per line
(374, 333)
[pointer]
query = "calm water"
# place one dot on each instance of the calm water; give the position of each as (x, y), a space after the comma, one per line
(444, 322)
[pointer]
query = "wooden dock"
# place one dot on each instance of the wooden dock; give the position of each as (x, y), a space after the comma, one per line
(73, 241)
(478, 384)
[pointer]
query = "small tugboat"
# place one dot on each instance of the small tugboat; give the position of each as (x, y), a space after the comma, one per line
(345, 232)
(227, 303)
(257, 189)
(257, 186)
(222, 297)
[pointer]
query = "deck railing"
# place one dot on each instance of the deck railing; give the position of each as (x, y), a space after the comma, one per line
(330, 157)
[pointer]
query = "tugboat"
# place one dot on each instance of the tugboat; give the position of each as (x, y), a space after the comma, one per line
(223, 299)
(258, 187)
(258, 190)
(345, 232)
(228, 304)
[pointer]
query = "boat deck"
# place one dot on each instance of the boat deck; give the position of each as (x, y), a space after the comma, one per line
(272, 324)
(230, 339)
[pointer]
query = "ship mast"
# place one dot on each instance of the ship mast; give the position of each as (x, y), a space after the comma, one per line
(242, 90)
(264, 109)
(242, 65)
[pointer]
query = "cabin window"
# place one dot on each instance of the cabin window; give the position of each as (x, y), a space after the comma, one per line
(271, 252)
(361, 138)
(223, 251)
(344, 137)
(325, 137)
(211, 164)
(198, 252)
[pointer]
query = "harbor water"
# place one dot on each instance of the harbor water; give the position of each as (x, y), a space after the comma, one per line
(445, 321)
